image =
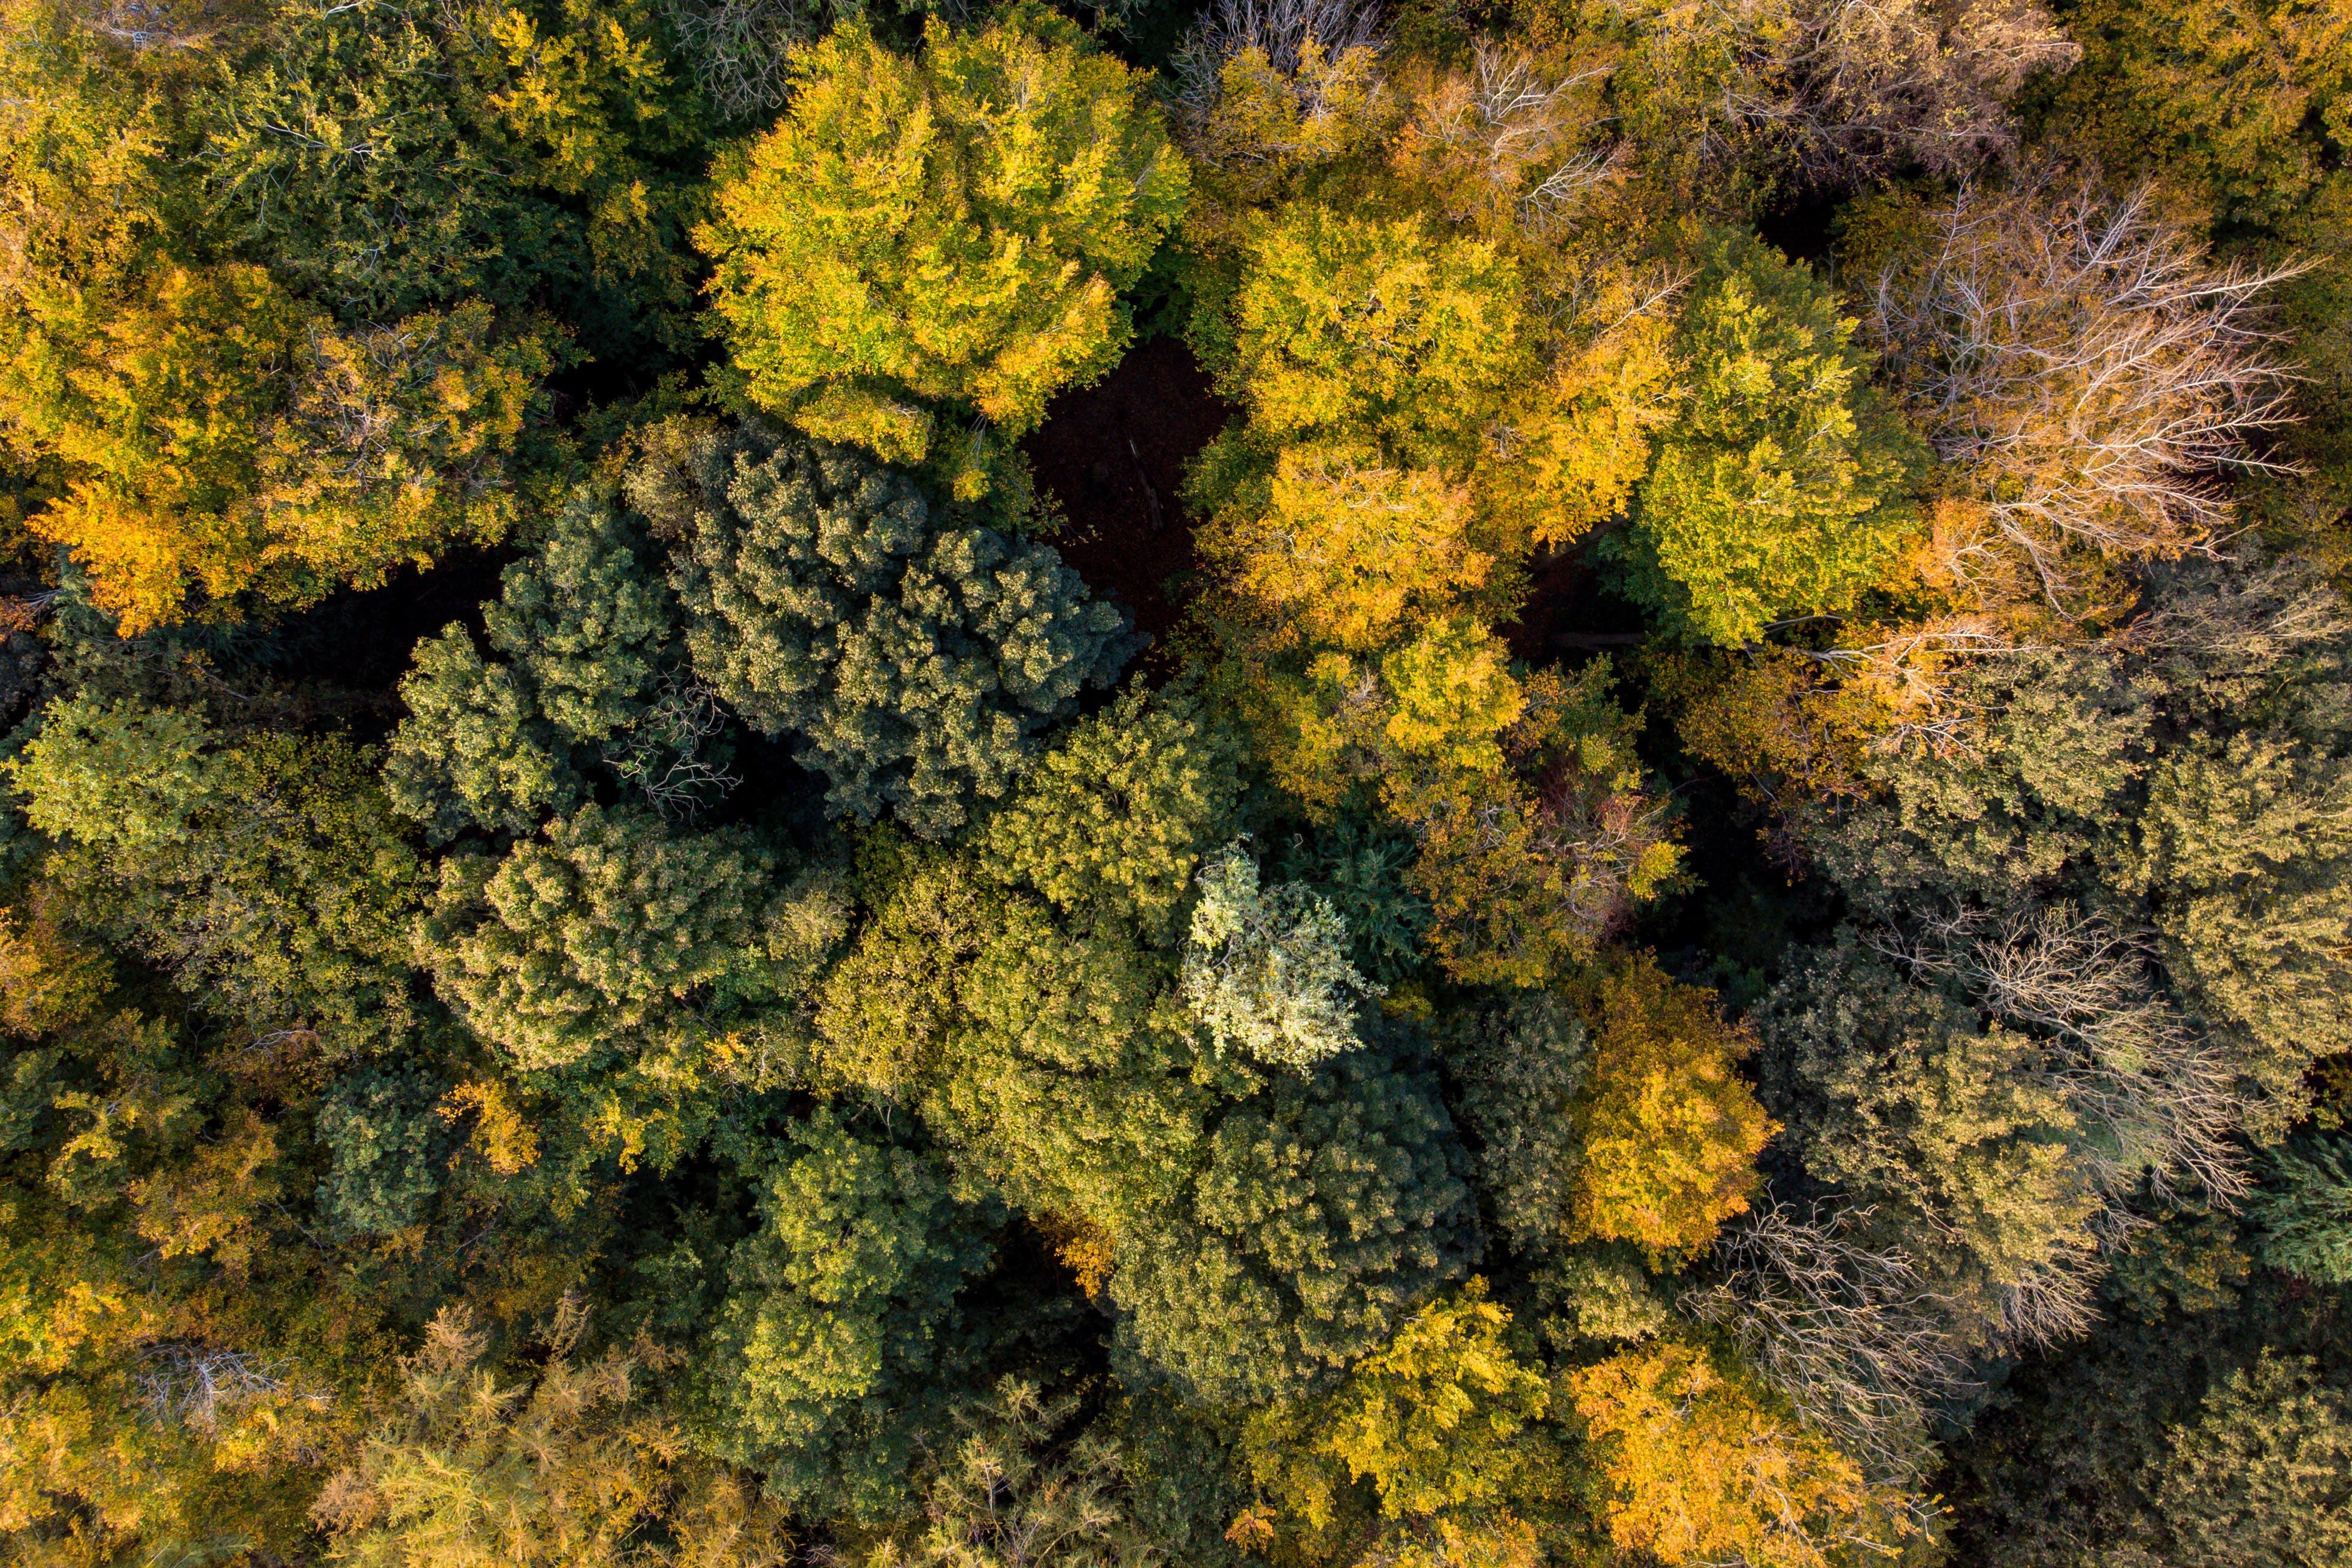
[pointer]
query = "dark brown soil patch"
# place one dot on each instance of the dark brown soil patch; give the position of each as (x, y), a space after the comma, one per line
(1113, 455)
(1568, 614)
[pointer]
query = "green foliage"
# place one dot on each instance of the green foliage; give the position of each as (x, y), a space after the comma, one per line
(1323, 1215)
(264, 869)
(2185, 782)
(838, 1348)
(1012, 159)
(392, 156)
(1779, 489)
(2303, 1208)
(1905, 1098)
(2263, 1475)
(1114, 819)
(1008, 1494)
(2172, 1440)
(1521, 1063)
(913, 660)
(387, 1149)
(1265, 971)
(1074, 1083)
(582, 627)
(1360, 870)
(608, 930)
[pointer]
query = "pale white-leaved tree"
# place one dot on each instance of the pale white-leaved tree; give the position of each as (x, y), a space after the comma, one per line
(1265, 969)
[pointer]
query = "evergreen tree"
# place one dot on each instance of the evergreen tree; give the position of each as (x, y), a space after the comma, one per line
(913, 660)
(835, 1352)
(1323, 1214)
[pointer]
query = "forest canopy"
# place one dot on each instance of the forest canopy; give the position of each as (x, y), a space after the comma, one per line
(1103, 784)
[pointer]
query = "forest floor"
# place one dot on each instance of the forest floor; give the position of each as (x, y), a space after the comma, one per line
(1114, 456)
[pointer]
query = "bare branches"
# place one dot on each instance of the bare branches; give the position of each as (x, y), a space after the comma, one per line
(2156, 1101)
(1264, 85)
(1847, 1331)
(1283, 29)
(738, 50)
(195, 1384)
(1851, 87)
(1474, 136)
(662, 753)
(2089, 368)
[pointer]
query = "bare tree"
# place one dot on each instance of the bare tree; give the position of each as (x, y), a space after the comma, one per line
(2081, 359)
(1849, 1332)
(181, 1382)
(1477, 136)
(1854, 86)
(737, 50)
(1319, 58)
(2157, 1102)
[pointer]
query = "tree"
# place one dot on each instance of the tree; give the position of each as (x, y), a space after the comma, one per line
(837, 1349)
(914, 660)
(2259, 1478)
(2179, 786)
(2235, 106)
(607, 930)
(1525, 879)
(1522, 1062)
(1418, 371)
(1321, 1214)
(263, 869)
(584, 632)
(1780, 487)
(1349, 551)
(2303, 1208)
(388, 1149)
(1075, 1080)
(1699, 1469)
(563, 1467)
(2080, 361)
(1266, 92)
(523, 156)
(1007, 1495)
(1013, 158)
(1906, 1100)
(1846, 91)
(1670, 1132)
(1441, 1422)
(218, 436)
(1113, 820)
(1265, 972)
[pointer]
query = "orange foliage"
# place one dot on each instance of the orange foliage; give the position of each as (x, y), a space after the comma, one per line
(1702, 1471)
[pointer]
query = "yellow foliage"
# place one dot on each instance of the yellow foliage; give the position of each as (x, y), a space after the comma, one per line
(1452, 695)
(221, 437)
(46, 982)
(207, 1204)
(1701, 1471)
(1441, 1423)
(1348, 547)
(1089, 1251)
(1670, 1130)
(1266, 125)
(501, 1135)
(1567, 449)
